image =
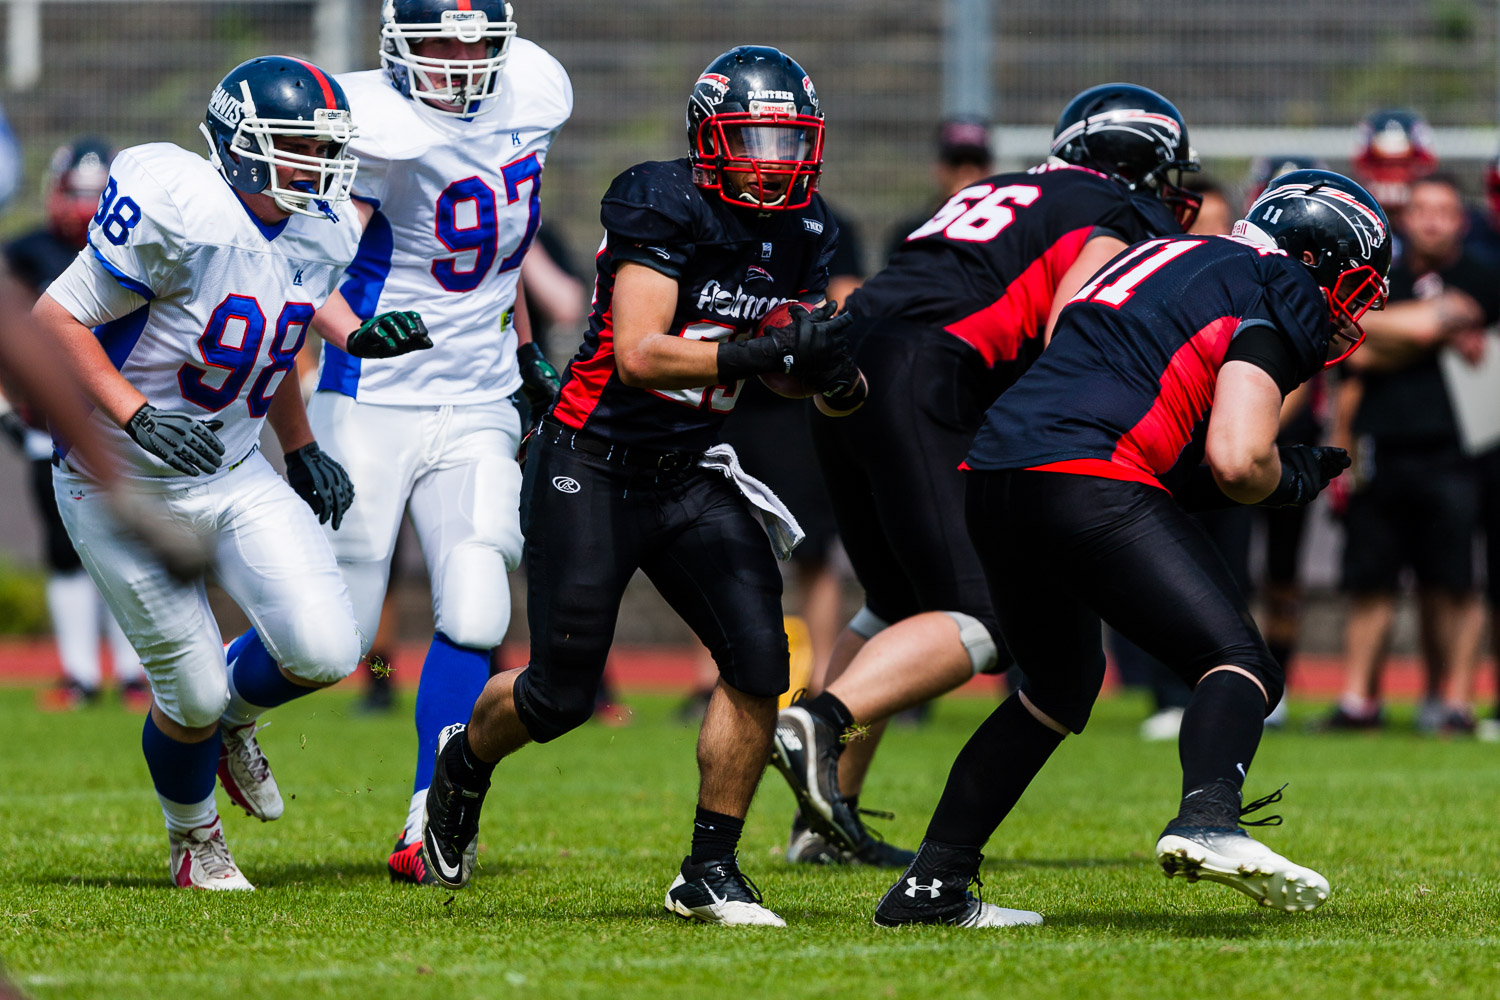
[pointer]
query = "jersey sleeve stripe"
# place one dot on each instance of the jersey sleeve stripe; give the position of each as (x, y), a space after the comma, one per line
(340, 372)
(371, 266)
(1184, 395)
(119, 337)
(125, 280)
(998, 330)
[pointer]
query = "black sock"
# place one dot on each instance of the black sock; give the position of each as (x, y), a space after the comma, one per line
(465, 767)
(991, 772)
(1221, 730)
(832, 711)
(715, 835)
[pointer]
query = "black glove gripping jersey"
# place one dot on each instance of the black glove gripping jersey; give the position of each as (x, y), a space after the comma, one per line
(732, 266)
(1127, 384)
(986, 266)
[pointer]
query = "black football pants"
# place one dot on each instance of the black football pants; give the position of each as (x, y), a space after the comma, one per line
(590, 524)
(892, 473)
(1062, 551)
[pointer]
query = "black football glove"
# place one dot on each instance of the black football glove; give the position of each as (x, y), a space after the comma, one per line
(185, 443)
(388, 335)
(320, 481)
(1305, 471)
(814, 346)
(540, 383)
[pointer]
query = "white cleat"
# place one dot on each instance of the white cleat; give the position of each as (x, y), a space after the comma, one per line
(246, 774)
(1238, 860)
(718, 893)
(201, 860)
(990, 915)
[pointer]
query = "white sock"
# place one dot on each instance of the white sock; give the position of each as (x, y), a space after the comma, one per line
(239, 712)
(182, 818)
(413, 829)
(126, 661)
(73, 603)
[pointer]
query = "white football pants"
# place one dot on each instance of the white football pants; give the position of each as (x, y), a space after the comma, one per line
(455, 468)
(270, 556)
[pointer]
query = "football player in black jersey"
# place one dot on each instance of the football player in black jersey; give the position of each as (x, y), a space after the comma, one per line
(959, 312)
(697, 250)
(1168, 372)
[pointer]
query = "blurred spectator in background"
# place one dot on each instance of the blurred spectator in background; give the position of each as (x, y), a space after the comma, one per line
(10, 161)
(963, 158)
(1394, 150)
(75, 180)
(1416, 499)
(556, 298)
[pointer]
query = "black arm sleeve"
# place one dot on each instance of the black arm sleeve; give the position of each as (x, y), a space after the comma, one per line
(1263, 346)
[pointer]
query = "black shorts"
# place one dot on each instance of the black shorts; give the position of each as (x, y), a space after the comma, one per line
(1419, 509)
(1063, 551)
(1285, 527)
(892, 472)
(61, 557)
(590, 523)
(773, 437)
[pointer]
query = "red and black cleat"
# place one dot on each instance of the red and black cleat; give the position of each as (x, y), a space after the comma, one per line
(406, 864)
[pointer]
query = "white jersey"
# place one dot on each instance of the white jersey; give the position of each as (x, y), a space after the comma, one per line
(200, 305)
(457, 204)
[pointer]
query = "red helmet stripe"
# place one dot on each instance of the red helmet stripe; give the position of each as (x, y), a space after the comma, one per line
(465, 5)
(328, 98)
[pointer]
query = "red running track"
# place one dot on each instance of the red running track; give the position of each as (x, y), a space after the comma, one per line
(673, 668)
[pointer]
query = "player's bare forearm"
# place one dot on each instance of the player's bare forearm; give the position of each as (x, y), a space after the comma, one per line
(1241, 443)
(288, 416)
(646, 355)
(85, 360)
(334, 321)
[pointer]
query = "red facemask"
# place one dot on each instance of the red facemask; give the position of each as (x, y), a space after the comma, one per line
(1356, 292)
(769, 162)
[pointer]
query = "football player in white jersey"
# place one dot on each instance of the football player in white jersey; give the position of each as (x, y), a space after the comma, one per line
(181, 318)
(454, 130)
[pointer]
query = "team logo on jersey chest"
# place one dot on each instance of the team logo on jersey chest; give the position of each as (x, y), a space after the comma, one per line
(753, 273)
(738, 304)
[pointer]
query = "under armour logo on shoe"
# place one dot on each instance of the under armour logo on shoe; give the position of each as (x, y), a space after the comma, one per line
(912, 886)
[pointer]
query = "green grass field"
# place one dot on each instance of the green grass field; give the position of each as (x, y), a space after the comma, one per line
(582, 837)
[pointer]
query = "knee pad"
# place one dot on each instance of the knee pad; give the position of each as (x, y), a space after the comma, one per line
(195, 703)
(473, 603)
(761, 672)
(984, 654)
(324, 656)
(548, 713)
(867, 624)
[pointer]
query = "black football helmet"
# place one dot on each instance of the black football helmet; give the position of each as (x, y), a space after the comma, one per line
(278, 97)
(1395, 149)
(755, 131)
(462, 88)
(1343, 227)
(76, 177)
(1132, 135)
(1265, 169)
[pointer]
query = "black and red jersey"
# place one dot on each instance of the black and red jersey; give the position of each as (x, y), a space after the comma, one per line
(986, 266)
(731, 266)
(1129, 378)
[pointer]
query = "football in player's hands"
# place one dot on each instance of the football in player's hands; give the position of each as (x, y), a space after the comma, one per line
(784, 383)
